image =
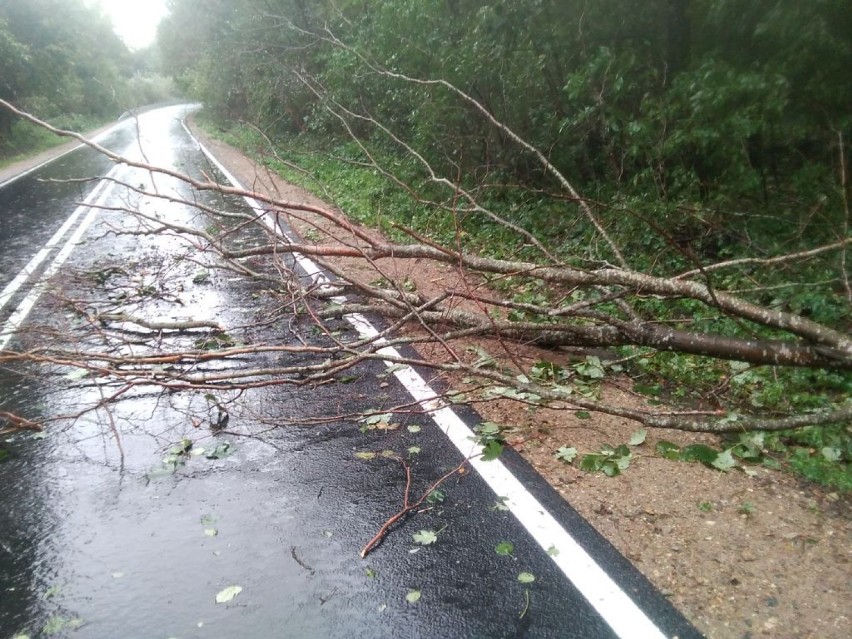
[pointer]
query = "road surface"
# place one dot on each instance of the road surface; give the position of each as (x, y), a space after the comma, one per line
(112, 525)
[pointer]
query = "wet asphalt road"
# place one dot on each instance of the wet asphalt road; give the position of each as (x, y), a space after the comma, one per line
(100, 541)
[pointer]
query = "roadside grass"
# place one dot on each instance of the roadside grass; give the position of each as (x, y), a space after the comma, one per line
(26, 139)
(341, 176)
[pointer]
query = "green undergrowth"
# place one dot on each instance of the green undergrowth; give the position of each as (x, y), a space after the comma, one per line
(823, 454)
(26, 139)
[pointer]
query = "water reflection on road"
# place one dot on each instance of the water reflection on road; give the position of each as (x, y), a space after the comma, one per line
(126, 521)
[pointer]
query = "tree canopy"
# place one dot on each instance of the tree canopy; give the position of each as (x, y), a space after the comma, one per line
(62, 61)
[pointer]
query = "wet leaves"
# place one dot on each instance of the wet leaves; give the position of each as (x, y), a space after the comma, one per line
(77, 374)
(225, 595)
(526, 577)
(500, 504)
(222, 450)
(504, 548)
(638, 437)
(566, 454)
(492, 451)
(58, 624)
(425, 537)
(413, 596)
(437, 496)
(379, 421)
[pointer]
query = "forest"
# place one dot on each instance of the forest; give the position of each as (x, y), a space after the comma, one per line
(665, 189)
(61, 60)
(670, 181)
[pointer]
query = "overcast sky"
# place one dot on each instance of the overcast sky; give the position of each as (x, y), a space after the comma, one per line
(135, 21)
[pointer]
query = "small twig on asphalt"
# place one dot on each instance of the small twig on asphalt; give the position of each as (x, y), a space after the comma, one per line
(407, 506)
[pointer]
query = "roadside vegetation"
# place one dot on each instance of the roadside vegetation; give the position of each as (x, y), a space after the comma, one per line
(61, 61)
(696, 143)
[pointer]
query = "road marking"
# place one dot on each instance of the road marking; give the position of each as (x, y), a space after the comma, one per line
(620, 612)
(31, 267)
(23, 309)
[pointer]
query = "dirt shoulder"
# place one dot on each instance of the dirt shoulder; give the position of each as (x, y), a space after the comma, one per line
(741, 555)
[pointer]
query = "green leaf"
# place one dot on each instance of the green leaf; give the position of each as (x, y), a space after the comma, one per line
(413, 596)
(222, 450)
(638, 437)
(591, 462)
(52, 592)
(591, 368)
(583, 414)
(526, 577)
(77, 374)
(366, 455)
(414, 428)
(437, 496)
(724, 461)
(622, 451)
(372, 420)
(492, 451)
(623, 462)
(211, 532)
(225, 595)
(370, 573)
(58, 624)
(566, 454)
(699, 452)
(500, 504)
(488, 429)
(553, 551)
(413, 450)
(504, 548)
(425, 537)
(610, 468)
(668, 449)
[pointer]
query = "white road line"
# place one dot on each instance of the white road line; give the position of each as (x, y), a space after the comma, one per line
(626, 619)
(23, 309)
(12, 287)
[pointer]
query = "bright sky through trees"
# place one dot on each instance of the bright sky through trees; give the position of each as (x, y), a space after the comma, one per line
(135, 21)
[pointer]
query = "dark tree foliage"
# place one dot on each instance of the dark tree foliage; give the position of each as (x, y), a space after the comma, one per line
(60, 58)
(686, 141)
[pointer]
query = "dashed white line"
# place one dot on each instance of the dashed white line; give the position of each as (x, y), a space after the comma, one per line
(20, 279)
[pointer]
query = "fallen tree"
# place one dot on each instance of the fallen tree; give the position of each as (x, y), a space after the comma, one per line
(598, 305)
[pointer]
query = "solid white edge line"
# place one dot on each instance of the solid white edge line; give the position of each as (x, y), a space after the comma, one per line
(31, 266)
(11, 326)
(620, 612)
